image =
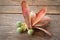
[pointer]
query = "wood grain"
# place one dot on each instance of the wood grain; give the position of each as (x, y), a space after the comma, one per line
(30, 2)
(8, 28)
(17, 9)
(14, 6)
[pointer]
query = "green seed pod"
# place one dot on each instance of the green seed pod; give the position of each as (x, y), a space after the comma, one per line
(20, 30)
(19, 24)
(30, 31)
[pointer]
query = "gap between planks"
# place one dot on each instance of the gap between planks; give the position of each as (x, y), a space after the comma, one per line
(21, 13)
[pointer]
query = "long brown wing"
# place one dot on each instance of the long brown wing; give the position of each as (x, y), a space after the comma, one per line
(26, 13)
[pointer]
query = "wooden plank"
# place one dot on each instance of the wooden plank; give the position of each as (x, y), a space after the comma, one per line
(30, 2)
(13, 18)
(7, 2)
(17, 9)
(10, 9)
(8, 28)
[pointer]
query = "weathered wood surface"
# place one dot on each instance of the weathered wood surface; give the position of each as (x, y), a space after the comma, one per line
(8, 28)
(17, 9)
(30, 2)
(12, 6)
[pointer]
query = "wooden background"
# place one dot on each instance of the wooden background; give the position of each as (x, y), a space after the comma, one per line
(13, 6)
(9, 10)
(8, 28)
